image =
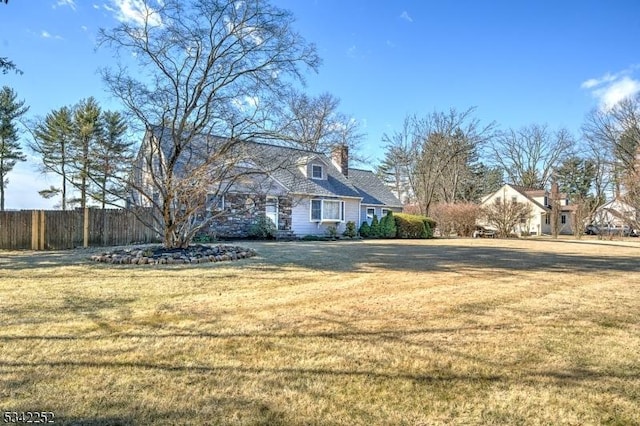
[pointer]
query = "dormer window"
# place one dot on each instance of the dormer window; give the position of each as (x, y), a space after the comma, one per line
(316, 171)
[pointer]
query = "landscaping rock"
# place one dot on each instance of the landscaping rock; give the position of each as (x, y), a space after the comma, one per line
(158, 255)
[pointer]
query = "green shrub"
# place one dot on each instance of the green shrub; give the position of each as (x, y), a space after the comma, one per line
(388, 227)
(263, 228)
(375, 227)
(365, 230)
(202, 238)
(413, 226)
(427, 230)
(350, 230)
(332, 232)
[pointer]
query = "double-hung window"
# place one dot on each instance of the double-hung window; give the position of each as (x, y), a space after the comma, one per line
(327, 211)
(370, 212)
(316, 171)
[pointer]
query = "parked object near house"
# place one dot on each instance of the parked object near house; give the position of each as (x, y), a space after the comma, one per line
(482, 232)
(616, 215)
(591, 230)
(301, 192)
(539, 200)
(621, 231)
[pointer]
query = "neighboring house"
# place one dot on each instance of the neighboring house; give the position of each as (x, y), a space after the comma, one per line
(306, 193)
(539, 222)
(616, 214)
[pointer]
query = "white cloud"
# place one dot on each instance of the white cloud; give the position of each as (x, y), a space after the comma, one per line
(134, 12)
(610, 89)
(405, 15)
(615, 92)
(47, 34)
(70, 3)
(246, 103)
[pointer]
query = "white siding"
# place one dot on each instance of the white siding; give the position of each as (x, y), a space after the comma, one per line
(301, 223)
(377, 212)
(535, 224)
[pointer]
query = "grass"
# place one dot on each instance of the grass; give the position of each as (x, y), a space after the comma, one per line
(363, 332)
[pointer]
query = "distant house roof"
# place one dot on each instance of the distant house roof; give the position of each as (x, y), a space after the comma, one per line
(530, 193)
(372, 189)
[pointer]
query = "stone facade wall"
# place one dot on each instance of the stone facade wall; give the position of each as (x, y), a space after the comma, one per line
(241, 211)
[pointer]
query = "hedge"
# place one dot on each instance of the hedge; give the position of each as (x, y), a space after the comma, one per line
(414, 226)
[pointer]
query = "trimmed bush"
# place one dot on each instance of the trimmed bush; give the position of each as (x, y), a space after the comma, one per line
(365, 230)
(263, 228)
(350, 229)
(332, 232)
(413, 226)
(375, 227)
(388, 227)
(427, 229)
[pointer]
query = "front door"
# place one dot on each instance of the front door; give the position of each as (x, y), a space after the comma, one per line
(271, 210)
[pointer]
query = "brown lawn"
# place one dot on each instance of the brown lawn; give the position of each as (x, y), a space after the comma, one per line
(377, 332)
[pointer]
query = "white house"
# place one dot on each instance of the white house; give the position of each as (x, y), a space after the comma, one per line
(539, 222)
(616, 214)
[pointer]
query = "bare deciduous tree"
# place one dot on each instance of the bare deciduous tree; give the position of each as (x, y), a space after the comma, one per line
(614, 138)
(442, 149)
(505, 215)
(396, 169)
(530, 154)
(458, 218)
(206, 67)
(314, 123)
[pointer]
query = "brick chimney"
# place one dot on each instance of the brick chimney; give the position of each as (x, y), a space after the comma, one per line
(340, 158)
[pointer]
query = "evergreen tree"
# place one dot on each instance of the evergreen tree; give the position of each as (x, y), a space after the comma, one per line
(388, 227)
(86, 133)
(375, 227)
(53, 142)
(365, 230)
(110, 159)
(576, 176)
(10, 151)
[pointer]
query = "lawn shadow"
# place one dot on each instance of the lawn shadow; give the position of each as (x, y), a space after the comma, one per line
(394, 255)
(441, 257)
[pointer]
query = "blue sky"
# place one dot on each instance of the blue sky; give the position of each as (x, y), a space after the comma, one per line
(517, 62)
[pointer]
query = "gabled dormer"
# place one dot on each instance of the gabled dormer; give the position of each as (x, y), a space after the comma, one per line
(314, 167)
(317, 171)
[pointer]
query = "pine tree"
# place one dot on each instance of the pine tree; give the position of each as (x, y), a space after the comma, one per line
(388, 227)
(53, 142)
(375, 227)
(109, 159)
(10, 151)
(86, 133)
(365, 230)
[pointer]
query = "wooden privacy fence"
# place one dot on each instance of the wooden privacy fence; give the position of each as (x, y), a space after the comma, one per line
(64, 229)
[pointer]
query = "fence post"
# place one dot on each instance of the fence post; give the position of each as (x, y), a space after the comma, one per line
(37, 230)
(85, 228)
(42, 231)
(34, 229)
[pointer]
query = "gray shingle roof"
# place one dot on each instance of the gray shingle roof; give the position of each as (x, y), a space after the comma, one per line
(285, 165)
(372, 189)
